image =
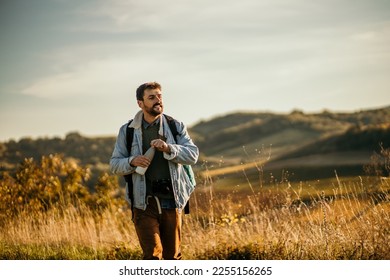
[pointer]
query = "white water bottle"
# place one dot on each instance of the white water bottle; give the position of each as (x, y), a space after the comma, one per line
(149, 154)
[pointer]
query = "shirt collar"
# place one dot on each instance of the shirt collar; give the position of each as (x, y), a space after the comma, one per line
(145, 124)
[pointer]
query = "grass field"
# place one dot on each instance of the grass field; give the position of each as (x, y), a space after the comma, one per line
(232, 217)
(47, 212)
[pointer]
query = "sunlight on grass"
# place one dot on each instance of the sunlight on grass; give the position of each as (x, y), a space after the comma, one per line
(48, 214)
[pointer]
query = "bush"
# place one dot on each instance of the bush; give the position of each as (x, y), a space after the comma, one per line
(380, 163)
(54, 183)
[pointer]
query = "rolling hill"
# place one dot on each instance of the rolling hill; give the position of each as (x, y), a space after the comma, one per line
(307, 145)
(296, 140)
(225, 136)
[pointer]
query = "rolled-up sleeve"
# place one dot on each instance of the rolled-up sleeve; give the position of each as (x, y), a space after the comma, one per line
(184, 151)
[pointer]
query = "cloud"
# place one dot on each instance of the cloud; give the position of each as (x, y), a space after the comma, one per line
(91, 78)
(218, 55)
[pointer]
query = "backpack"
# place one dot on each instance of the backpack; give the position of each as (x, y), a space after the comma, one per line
(129, 141)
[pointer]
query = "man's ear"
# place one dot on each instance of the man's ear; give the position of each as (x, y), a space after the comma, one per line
(140, 103)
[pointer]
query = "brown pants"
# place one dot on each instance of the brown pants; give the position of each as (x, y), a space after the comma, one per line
(159, 234)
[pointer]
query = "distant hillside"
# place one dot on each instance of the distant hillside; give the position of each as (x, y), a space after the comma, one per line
(356, 139)
(89, 151)
(367, 117)
(348, 153)
(295, 139)
(226, 136)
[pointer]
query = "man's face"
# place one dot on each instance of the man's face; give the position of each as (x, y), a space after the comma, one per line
(152, 103)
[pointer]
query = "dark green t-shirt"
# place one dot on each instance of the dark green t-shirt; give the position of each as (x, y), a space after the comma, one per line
(158, 169)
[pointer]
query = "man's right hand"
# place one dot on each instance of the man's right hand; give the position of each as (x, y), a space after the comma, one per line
(140, 161)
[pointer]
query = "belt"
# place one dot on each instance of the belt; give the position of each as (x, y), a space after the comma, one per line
(157, 202)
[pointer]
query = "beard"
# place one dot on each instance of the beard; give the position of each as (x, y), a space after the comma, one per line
(156, 110)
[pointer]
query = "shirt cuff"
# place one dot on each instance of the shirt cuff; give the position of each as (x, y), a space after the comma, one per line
(130, 159)
(173, 153)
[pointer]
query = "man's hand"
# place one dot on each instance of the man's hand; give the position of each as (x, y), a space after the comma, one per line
(160, 145)
(143, 161)
(140, 161)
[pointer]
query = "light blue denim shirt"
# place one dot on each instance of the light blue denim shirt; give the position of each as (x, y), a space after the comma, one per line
(183, 152)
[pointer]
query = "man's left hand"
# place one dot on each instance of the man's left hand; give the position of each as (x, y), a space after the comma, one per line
(160, 145)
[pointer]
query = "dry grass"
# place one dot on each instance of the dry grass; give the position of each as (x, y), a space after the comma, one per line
(350, 224)
(76, 233)
(273, 223)
(47, 213)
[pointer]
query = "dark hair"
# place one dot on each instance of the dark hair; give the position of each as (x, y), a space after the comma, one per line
(149, 85)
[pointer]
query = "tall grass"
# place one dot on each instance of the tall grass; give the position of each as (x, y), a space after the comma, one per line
(70, 234)
(341, 220)
(284, 223)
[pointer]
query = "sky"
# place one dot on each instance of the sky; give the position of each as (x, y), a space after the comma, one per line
(74, 65)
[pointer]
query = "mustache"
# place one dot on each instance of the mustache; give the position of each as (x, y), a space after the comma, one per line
(158, 104)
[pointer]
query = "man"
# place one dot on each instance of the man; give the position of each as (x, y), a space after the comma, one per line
(160, 195)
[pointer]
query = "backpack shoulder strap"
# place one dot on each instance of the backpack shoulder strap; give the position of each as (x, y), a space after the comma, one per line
(172, 126)
(128, 178)
(129, 136)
